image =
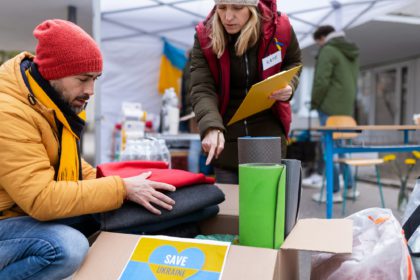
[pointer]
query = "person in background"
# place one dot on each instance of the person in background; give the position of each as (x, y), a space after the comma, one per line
(239, 44)
(47, 191)
(334, 88)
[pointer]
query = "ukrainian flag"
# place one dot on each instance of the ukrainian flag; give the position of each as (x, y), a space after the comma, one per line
(171, 66)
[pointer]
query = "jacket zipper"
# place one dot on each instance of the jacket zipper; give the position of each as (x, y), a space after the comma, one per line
(246, 88)
(221, 93)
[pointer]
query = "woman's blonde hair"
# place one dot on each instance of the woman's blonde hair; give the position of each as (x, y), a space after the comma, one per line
(248, 37)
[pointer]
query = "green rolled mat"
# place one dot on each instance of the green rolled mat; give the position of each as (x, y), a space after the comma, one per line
(280, 219)
(261, 204)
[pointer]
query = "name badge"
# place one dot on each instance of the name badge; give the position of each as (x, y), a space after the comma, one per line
(271, 60)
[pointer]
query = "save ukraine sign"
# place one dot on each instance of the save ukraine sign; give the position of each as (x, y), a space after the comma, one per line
(164, 258)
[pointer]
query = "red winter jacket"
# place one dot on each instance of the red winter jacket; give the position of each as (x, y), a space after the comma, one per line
(279, 27)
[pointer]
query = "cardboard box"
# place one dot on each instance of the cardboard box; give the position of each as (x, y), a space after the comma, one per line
(110, 252)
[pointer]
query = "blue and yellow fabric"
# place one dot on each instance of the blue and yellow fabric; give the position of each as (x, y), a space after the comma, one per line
(171, 66)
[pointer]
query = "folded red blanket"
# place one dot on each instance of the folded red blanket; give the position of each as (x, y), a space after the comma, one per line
(127, 168)
(160, 172)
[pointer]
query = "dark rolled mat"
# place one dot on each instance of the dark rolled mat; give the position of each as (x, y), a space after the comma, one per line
(259, 150)
(293, 192)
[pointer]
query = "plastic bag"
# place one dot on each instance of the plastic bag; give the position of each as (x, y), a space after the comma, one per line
(379, 251)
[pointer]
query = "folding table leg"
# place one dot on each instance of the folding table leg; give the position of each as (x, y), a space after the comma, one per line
(378, 179)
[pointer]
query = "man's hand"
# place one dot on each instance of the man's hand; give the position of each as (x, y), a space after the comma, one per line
(145, 192)
(283, 94)
(213, 144)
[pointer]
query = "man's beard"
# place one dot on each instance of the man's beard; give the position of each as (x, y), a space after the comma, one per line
(76, 110)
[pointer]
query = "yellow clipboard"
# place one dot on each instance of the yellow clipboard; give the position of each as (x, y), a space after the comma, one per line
(257, 98)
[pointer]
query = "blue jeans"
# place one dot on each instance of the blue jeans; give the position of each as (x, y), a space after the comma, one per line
(30, 249)
(226, 176)
(344, 168)
(194, 156)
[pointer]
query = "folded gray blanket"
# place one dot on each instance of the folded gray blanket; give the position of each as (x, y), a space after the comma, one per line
(187, 200)
(161, 226)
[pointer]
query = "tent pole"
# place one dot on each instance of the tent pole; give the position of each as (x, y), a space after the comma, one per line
(97, 112)
(72, 14)
(338, 13)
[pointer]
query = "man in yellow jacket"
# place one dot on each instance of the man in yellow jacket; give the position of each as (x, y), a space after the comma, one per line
(43, 180)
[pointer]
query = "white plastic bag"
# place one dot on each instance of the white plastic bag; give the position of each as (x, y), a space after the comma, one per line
(379, 251)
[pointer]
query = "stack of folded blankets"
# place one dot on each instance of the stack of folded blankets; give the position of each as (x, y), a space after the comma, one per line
(196, 199)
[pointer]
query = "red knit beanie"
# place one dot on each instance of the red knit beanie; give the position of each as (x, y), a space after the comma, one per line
(64, 49)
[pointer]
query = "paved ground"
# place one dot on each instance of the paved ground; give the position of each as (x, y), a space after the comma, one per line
(368, 198)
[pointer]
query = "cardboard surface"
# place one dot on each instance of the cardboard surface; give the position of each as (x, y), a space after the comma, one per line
(287, 267)
(107, 256)
(110, 252)
(222, 224)
(231, 204)
(333, 236)
(249, 263)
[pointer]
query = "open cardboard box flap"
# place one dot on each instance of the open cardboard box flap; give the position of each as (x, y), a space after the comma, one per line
(108, 255)
(332, 236)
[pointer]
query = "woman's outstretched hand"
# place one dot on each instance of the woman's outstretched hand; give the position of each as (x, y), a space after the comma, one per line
(213, 144)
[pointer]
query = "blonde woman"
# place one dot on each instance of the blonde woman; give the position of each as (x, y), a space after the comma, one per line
(239, 44)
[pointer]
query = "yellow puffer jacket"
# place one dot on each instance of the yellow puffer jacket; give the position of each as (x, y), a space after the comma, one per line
(28, 153)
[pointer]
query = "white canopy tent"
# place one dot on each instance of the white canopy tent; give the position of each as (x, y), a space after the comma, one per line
(19, 17)
(132, 33)
(175, 19)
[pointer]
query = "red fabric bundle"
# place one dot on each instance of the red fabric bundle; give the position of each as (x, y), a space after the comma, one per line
(160, 172)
